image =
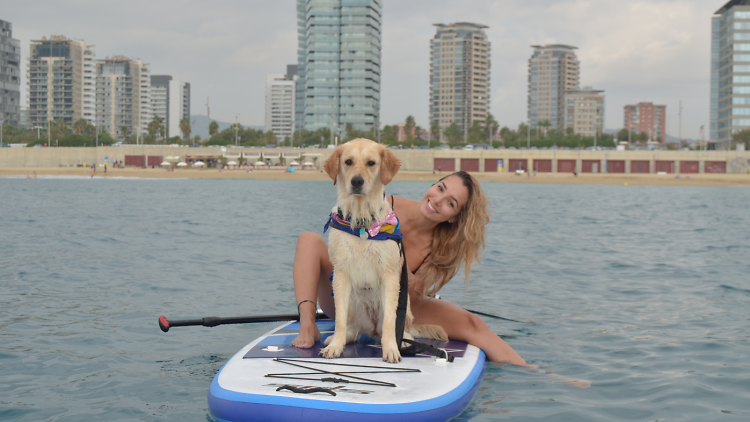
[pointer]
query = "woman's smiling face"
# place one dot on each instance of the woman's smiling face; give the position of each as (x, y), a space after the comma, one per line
(444, 200)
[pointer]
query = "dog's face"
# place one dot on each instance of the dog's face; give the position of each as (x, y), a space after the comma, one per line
(361, 166)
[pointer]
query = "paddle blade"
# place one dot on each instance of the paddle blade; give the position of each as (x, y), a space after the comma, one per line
(164, 323)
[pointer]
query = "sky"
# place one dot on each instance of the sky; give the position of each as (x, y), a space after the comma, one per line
(635, 50)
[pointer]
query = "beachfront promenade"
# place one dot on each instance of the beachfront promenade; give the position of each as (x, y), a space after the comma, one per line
(504, 160)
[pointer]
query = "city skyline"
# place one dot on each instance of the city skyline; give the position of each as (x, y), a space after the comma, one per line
(656, 51)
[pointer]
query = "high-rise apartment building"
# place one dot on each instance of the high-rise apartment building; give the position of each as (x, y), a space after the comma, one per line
(170, 100)
(646, 118)
(553, 70)
(280, 97)
(459, 75)
(10, 76)
(61, 81)
(584, 111)
(730, 71)
(123, 100)
(338, 64)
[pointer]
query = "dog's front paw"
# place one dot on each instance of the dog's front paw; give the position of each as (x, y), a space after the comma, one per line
(334, 348)
(391, 353)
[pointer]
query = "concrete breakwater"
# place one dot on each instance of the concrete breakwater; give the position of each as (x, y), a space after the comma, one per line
(504, 160)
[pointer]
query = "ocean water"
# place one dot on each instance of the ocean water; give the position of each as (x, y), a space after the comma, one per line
(644, 291)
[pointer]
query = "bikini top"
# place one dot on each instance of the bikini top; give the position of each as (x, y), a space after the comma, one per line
(425, 258)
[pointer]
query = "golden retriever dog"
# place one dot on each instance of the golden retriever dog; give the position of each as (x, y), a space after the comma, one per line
(366, 272)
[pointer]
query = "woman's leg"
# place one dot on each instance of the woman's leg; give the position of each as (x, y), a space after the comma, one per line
(311, 270)
(462, 325)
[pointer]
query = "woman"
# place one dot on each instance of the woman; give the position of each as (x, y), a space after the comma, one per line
(442, 232)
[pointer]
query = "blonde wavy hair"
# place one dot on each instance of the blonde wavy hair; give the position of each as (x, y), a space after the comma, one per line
(459, 243)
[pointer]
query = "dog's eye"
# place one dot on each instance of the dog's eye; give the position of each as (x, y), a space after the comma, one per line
(370, 163)
(348, 162)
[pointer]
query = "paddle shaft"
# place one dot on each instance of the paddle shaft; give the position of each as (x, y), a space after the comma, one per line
(497, 317)
(166, 324)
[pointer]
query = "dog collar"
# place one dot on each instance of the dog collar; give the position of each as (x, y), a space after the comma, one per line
(389, 228)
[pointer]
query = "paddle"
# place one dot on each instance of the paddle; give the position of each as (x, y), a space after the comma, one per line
(497, 317)
(166, 324)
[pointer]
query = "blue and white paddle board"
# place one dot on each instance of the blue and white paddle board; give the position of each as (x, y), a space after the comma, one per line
(269, 380)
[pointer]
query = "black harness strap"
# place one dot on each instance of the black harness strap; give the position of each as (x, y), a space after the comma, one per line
(403, 300)
(403, 297)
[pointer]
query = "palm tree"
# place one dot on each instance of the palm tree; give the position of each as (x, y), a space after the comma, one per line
(79, 126)
(418, 133)
(545, 124)
(185, 127)
(409, 126)
(59, 128)
(491, 127)
(213, 128)
(124, 131)
(435, 131)
(154, 125)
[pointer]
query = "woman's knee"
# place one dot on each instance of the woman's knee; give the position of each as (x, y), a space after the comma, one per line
(475, 328)
(309, 239)
(310, 243)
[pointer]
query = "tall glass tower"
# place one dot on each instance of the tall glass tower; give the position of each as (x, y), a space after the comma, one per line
(730, 71)
(10, 76)
(459, 75)
(553, 70)
(339, 64)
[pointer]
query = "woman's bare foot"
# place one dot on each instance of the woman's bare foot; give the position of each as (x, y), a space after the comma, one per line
(308, 335)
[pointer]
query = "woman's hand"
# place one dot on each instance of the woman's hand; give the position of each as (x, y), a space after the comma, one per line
(416, 284)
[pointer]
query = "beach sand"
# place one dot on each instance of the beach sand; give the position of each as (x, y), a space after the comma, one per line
(568, 178)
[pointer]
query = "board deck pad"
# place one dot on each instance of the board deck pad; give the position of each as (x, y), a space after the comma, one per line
(363, 348)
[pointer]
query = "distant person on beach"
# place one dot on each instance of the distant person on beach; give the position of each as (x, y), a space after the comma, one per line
(442, 233)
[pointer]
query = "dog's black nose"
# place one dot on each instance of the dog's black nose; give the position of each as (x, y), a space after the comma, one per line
(357, 182)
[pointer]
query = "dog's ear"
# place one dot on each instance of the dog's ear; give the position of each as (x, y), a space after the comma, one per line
(389, 166)
(332, 164)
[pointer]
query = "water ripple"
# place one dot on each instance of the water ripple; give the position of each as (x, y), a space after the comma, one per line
(642, 291)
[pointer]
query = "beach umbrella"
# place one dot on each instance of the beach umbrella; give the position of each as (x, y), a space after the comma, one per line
(198, 164)
(232, 163)
(181, 164)
(259, 163)
(307, 163)
(166, 164)
(294, 163)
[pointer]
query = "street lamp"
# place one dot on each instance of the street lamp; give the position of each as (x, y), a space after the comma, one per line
(236, 128)
(191, 131)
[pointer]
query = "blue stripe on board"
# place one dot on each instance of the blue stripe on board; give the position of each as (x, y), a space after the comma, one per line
(227, 399)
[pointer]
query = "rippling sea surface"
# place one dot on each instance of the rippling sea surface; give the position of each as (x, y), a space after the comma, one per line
(644, 291)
